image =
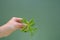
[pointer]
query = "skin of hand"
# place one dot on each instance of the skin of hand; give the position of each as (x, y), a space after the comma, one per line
(12, 25)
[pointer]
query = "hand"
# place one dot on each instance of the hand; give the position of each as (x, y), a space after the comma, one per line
(15, 23)
(12, 25)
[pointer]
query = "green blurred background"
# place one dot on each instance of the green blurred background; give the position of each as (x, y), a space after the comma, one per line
(46, 14)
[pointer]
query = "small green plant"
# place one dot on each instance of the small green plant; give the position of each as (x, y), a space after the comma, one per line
(29, 27)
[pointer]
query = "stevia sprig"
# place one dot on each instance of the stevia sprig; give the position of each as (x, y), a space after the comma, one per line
(29, 27)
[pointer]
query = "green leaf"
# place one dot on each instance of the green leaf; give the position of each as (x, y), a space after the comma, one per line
(29, 27)
(31, 22)
(31, 32)
(24, 21)
(23, 28)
